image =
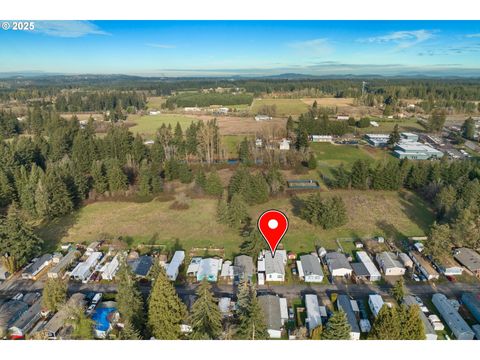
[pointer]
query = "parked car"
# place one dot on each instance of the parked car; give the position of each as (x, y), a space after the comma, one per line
(291, 315)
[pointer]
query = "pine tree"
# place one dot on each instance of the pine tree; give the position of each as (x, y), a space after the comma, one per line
(237, 211)
(129, 332)
(117, 180)
(253, 244)
(394, 137)
(18, 242)
(165, 310)
(82, 325)
(206, 318)
(312, 161)
(337, 327)
(387, 325)
(252, 325)
(54, 294)
(244, 296)
(99, 177)
(398, 290)
(244, 154)
(412, 327)
(222, 211)
(129, 299)
(213, 185)
(144, 179)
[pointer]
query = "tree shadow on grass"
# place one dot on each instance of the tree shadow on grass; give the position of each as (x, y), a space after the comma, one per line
(416, 210)
(52, 232)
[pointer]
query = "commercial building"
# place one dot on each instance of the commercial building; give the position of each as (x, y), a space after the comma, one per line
(390, 264)
(309, 268)
(377, 140)
(452, 318)
(416, 151)
(408, 137)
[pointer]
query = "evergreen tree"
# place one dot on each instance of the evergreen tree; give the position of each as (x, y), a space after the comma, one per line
(312, 161)
(82, 325)
(398, 290)
(206, 318)
(99, 177)
(253, 244)
(244, 154)
(54, 294)
(129, 299)
(129, 332)
(439, 241)
(252, 325)
(18, 243)
(337, 327)
(237, 211)
(387, 325)
(117, 180)
(222, 211)
(359, 175)
(394, 137)
(469, 129)
(165, 310)
(213, 185)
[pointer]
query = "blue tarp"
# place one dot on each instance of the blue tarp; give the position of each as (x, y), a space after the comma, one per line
(100, 316)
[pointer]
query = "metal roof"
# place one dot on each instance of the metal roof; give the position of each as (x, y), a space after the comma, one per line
(368, 263)
(452, 318)
(468, 258)
(336, 260)
(343, 303)
(311, 265)
(142, 265)
(271, 308)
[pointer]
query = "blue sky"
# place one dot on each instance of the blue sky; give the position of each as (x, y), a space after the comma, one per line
(179, 48)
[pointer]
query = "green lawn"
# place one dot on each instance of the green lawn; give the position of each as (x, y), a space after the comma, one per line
(370, 213)
(147, 125)
(386, 126)
(231, 143)
(331, 155)
(284, 106)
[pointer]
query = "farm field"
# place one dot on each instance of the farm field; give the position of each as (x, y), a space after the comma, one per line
(370, 213)
(285, 107)
(155, 102)
(147, 125)
(343, 106)
(331, 155)
(386, 127)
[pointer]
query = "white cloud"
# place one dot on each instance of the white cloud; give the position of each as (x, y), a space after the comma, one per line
(161, 46)
(473, 35)
(403, 39)
(68, 29)
(319, 46)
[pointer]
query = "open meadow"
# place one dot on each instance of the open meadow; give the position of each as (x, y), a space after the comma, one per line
(284, 107)
(391, 214)
(148, 125)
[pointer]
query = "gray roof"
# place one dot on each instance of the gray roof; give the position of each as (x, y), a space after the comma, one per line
(468, 258)
(33, 268)
(10, 312)
(472, 303)
(58, 320)
(343, 303)
(409, 300)
(336, 260)
(271, 308)
(452, 318)
(243, 264)
(29, 317)
(359, 269)
(274, 265)
(64, 262)
(141, 266)
(311, 265)
(388, 260)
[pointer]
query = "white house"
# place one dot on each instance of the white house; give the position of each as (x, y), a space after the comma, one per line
(209, 269)
(274, 267)
(174, 266)
(338, 264)
(314, 318)
(390, 264)
(309, 268)
(376, 303)
(84, 269)
(321, 138)
(373, 272)
(109, 270)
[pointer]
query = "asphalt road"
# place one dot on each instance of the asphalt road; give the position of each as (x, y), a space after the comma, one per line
(450, 289)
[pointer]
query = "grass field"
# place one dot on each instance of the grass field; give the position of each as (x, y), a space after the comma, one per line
(155, 102)
(386, 127)
(284, 106)
(390, 214)
(147, 125)
(331, 155)
(231, 143)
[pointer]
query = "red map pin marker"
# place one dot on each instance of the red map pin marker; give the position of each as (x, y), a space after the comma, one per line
(273, 225)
